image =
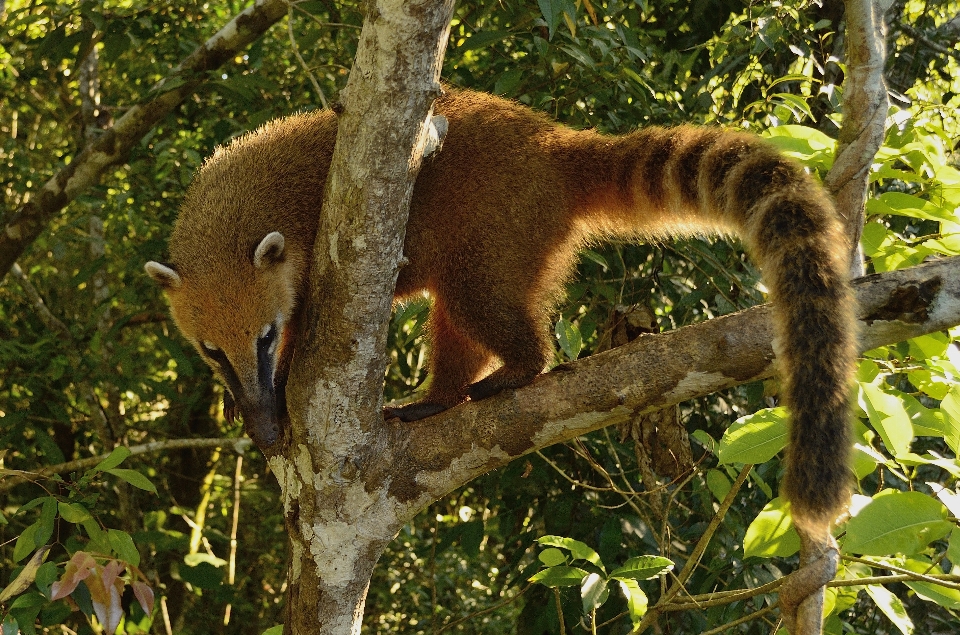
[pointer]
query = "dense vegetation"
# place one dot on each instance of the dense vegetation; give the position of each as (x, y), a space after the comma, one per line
(90, 361)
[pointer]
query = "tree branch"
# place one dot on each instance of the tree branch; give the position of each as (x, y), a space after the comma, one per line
(29, 221)
(864, 117)
(436, 455)
(239, 445)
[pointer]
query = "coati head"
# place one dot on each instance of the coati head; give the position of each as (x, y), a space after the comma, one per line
(245, 336)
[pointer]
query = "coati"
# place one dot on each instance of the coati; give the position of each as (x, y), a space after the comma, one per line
(496, 220)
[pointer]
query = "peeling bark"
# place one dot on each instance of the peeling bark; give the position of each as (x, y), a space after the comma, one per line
(84, 170)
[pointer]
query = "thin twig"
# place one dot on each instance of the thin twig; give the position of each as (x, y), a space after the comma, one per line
(296, 51)
(232, 566)
(239, 445)
(697, 553)
(912, 574)
(737, 622)
(489, 609)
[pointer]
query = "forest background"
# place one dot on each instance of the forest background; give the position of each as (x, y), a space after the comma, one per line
(90, 361)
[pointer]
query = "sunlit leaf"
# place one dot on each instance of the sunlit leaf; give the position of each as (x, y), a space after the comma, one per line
(119, 454)
(636, 599)
(771, 533)
(577, 549)
(593, 592)
(559, 576)
(642, 568)
(755, 438)
(888, 418)
(892, 607)
(26, 576)
(896, 522)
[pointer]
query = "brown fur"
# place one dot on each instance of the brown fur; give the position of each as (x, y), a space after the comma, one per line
(496, 220)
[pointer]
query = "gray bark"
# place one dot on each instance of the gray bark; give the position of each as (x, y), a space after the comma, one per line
(339, 510)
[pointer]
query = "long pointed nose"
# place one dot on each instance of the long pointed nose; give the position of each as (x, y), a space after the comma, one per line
(260, 419)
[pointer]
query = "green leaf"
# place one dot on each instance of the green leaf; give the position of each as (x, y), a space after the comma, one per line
(135, 478)
(636, 599)
(122, 545)
(896, 522)
(26, 542)
(642, 568)
(569, 337)
(559, 576)
(888, 417)
(718, 483)
(892, 607)
(755, 438)
(481, 39)
(119, 454)
(953, 547)
(73, 512)
(579, 550)
(48, 516)
(552, 557)
(927, 346)
(274, 630)
(950, 406)
(551, 10)
(947, 597)
(771, 533)
(28, 573)
(872, 238)
(194, 559)
(204, 575)
(900, 204)
(593, 592)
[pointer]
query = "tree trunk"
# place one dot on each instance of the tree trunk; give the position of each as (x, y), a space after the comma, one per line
(339, 513)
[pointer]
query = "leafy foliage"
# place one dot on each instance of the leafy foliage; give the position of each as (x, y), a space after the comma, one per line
(98, 364)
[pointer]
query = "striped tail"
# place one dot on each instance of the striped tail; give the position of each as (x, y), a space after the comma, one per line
(691, 180)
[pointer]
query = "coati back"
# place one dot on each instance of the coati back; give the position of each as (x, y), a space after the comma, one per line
(496, 220)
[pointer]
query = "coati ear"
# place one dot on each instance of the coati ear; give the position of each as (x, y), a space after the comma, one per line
(269, 251)
(164, 275)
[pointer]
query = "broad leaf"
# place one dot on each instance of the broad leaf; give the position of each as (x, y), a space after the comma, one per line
(559, 576)
(892, 607)
(771, 533)
(896, 522)
(642, 568)
(756, 438)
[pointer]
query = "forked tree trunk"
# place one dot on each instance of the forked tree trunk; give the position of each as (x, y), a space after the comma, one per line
(339, 515)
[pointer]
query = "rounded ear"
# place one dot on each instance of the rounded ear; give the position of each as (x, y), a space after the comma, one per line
(269, 251)
(164, 275)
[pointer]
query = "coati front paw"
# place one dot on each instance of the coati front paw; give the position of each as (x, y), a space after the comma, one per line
(414, 411)
(499, 381)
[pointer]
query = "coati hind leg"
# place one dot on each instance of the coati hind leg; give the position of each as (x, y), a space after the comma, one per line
(520, 340)
(456, 360)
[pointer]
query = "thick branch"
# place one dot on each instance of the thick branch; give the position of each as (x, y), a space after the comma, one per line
(441, 453)
(28, 222)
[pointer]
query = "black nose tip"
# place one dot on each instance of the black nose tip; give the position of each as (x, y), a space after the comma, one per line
(269, 436)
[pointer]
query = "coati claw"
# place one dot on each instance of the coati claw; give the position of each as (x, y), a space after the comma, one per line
(414, 411)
